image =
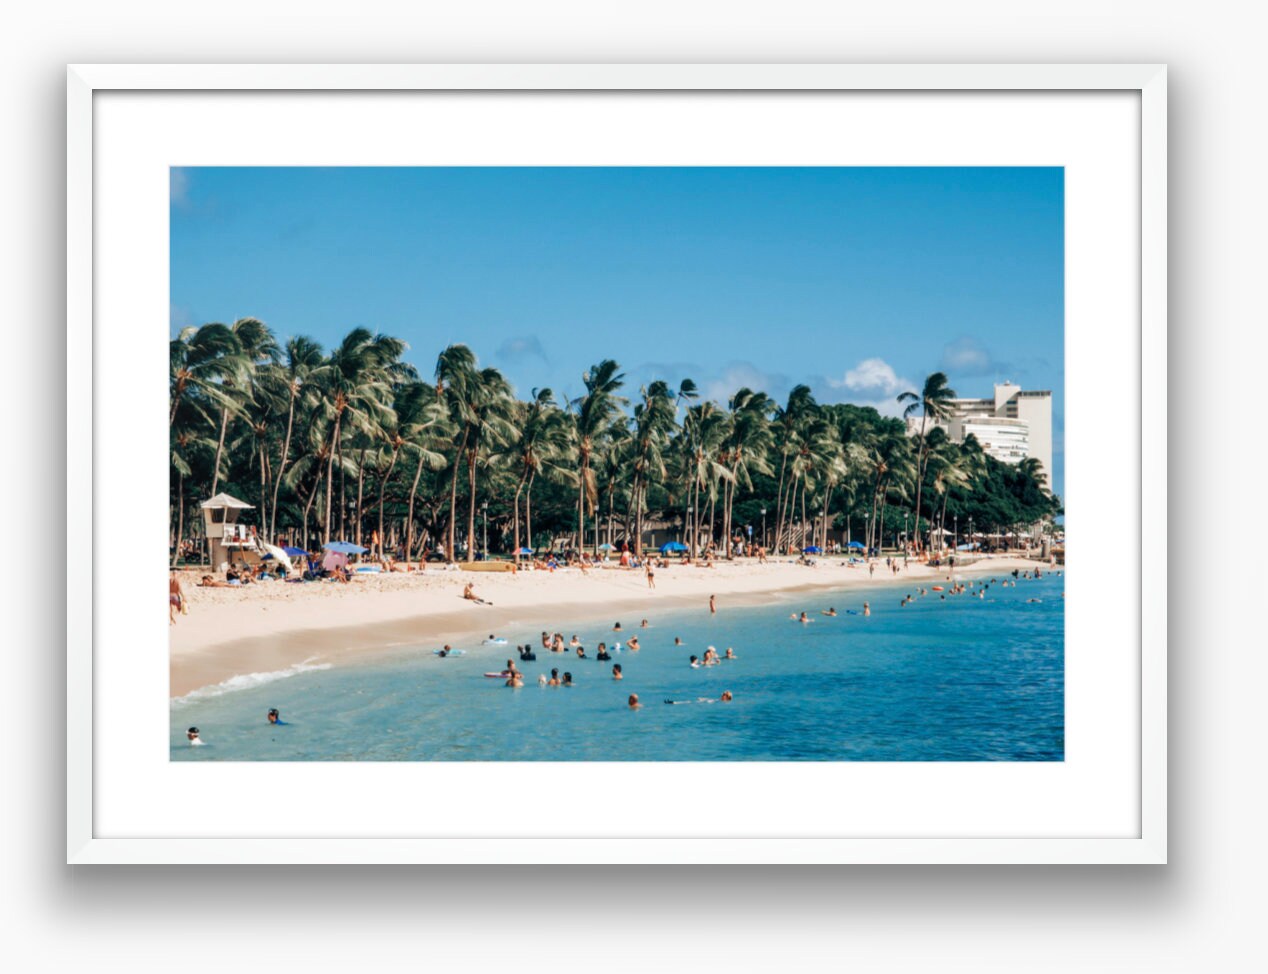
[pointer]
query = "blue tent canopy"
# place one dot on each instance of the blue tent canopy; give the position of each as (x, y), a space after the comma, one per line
(813, 549)
(672, 546)
(345, 547)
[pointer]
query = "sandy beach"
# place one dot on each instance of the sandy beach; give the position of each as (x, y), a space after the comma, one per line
(270, 626)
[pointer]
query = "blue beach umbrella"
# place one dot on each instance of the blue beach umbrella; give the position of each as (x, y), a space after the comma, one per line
(672, 546)
(814, 549)
(345, 548)
(526, 551)
(855, 544)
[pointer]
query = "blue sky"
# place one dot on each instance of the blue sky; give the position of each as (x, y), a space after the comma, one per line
(856, 281)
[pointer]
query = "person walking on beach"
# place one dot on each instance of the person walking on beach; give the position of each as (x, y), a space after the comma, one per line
(871, 568)
(713, 605)
(651, 576)
(175, 598)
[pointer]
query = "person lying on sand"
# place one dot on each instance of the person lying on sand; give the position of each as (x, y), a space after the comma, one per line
(208, 582)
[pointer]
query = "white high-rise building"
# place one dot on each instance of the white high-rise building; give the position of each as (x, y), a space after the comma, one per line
(1015, 424)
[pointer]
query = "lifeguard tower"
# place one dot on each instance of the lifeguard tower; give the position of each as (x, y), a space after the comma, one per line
(229, 540)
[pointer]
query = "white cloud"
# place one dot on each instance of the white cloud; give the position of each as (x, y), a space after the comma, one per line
(520, 348)
(968, 356)
(873, 382)
(735, 376)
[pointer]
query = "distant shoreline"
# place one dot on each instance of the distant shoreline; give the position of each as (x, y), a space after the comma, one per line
(272, 626)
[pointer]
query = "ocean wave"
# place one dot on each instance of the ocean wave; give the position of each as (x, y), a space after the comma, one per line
(245, 681)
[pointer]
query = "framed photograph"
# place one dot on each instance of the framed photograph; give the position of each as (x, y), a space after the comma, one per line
(617, 463)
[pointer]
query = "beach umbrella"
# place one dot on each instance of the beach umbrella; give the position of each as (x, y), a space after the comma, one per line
(281, 556)
(294, 552)
(813, 549)
(334, 559)
(855, 544)
(607, 547)
(672, 546)
(525, 551)
(345, 547)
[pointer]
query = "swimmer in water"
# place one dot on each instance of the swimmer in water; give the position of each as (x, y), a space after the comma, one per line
(194, 739)
(829, 612)
(617, 627)
(581, 652)
(574, 642)
(616, 672)
(867, 609)
(643, 624)
(694, 663)
(804, 618)
(515, 680)
(632, 644)
(541, 680)
(603, 654)
(730, 653)
(276, 718)
(567, 680)
(726, 696)
(634, 704)
(677, 641)
(554, 679)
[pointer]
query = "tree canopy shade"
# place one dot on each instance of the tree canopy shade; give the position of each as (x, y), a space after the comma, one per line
(350, 443)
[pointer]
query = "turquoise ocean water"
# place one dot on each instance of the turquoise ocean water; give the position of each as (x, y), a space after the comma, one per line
(960, 679)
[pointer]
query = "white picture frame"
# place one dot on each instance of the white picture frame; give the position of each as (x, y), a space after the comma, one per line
(85, 844)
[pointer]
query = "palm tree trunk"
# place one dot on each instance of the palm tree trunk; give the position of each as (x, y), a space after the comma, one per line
(528, 509)
(383, 491)
(581, 503)
(471, 487)
(180, 515)
(515, 531)
(220, 449)
(453, 494)
(779, 501)
(409, 521)
(330, 477)
(281, 468)
(360, 492)
(264, 489)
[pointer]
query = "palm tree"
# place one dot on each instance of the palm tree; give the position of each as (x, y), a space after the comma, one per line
(489, 426)
(934, 401)
(258, 348)
(790, 421)
(200, 360)
(302, 357)
(652, 427)
(592, 413)
(423, 424)
(542, 434)
(455, 386)
(356, 383)
(745, 448)
(704, 430)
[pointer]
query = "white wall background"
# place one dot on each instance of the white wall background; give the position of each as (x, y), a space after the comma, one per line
(1198, 913)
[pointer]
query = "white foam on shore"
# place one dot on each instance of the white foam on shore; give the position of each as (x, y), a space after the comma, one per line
(245, 681)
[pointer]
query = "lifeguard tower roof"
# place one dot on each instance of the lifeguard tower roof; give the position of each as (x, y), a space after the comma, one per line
(225, 500)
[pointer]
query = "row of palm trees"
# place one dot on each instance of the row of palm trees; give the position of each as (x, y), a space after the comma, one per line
(353, 443)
